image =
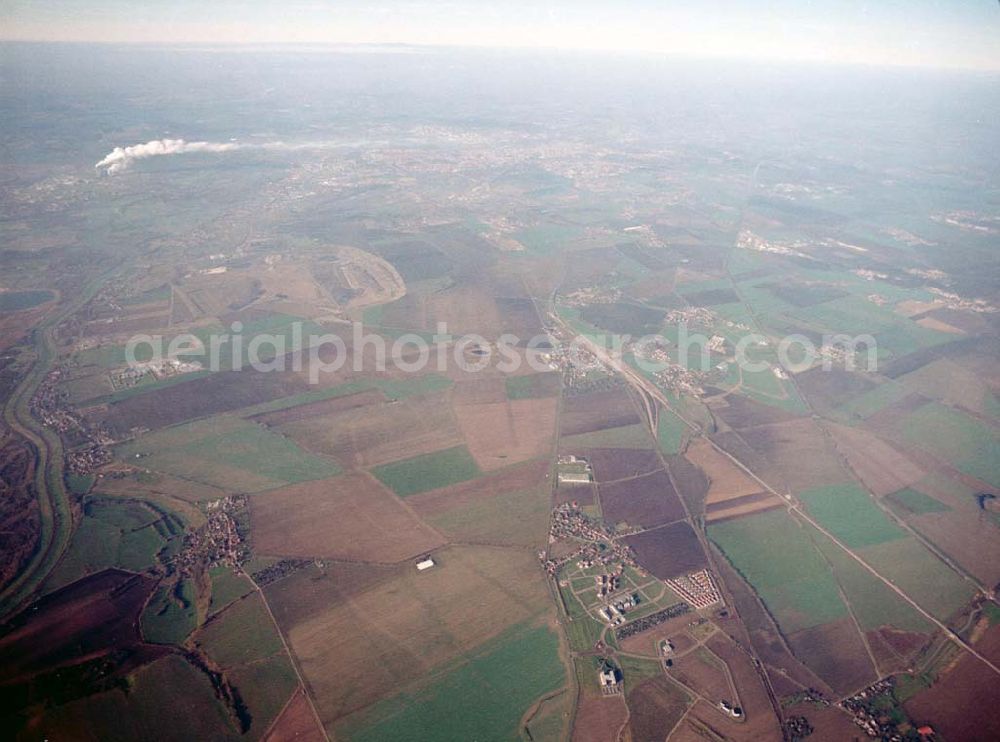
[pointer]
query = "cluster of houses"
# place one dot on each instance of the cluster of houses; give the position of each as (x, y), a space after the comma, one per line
(698, 589)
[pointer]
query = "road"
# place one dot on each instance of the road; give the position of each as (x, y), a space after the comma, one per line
(647, 387)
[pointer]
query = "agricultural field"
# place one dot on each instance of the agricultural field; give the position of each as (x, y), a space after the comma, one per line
(487, 590)
(646, 501)
(668, 551)
(227, 452)
(849, 514)
(126, 534)
(796, 586)
(482, 696)
(428, 472)
(351, 516)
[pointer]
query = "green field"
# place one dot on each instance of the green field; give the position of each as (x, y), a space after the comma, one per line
(519, 517)
(228, 452)
(971, 445)
(171, 614)
(242, 633)
(775, 554)
(909, 501)
(429, 471)
(227, 586)
(867, 404)
(481, 698)
(265, 687)
(533, 386)
(113, 533)
(872, 602)
(921, 575)
(846, 511)
(670, 431)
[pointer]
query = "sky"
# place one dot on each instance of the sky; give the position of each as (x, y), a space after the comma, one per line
(926, 33)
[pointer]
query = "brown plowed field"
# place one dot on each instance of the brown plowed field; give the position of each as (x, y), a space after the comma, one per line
(504, 433)
(726, 480)
(962, 704)
(701, 673)
(645, 501)
(692, 484)
(372, 435)
(323, 407)
(201, 397)
(296, 723)
(881, 467)
(479, 390)
(610, 464)
(800, 453)
(598, 718)
(836, 653)
(587, 413)
(347, 517)
(91, 618)
(741, 412)
(669, 551)
(655, 707)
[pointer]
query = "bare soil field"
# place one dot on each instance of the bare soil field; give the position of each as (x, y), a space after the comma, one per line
(373, 435)
(323, 407)
(306, 592)
(401, 628)
(740, 412)
(583, 494)
(702, 673)
(836, 653)
(520, 318)
(961, 705)
(94, 617)
(692, 484)
(349, 517)
(598, 718)
(466, 309)
(965, 536)
(587, 413)
(502, 433)
(799, 451)
(668, 551)
(726, 481)
(610, 464)
(646, 501)
(296, 723)
(827, 388)
(879, 465)
(760, 722)
(655, 707)
(201, 397)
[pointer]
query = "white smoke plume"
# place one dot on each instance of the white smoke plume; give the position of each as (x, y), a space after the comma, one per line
(120, 158)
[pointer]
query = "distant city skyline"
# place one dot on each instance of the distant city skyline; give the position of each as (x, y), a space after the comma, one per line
(930, 33)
